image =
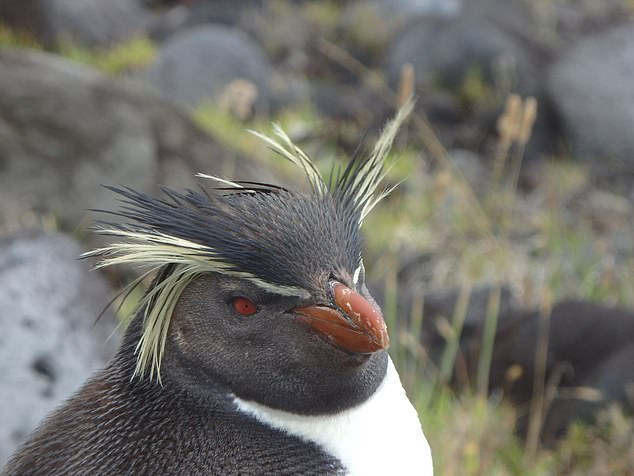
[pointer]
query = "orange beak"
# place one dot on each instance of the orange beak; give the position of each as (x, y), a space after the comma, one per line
(355, 325)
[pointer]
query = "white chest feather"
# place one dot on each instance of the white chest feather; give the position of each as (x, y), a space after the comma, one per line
(381, 436)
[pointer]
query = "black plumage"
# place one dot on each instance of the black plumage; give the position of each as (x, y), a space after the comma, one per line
(310, 341)
(115, 426)
(282, 237)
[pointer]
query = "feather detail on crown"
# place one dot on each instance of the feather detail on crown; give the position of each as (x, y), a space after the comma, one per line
(163, 238)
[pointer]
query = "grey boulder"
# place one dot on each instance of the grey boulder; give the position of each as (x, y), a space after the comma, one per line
(65, 129)
(49, 340)
(201, 64)
(593, 89)
(87, 22)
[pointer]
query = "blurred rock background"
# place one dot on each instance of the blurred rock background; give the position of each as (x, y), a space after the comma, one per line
(504, 261)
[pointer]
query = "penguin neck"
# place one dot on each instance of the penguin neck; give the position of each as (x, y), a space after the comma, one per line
(381, 435)
(327, 395)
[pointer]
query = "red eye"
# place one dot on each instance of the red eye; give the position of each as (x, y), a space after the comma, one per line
(244, 306)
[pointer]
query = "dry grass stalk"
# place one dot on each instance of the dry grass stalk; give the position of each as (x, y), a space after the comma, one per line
(488, 339)
(406, 84)
(514, 126)
(536, 417)
(450, 353)
(527, 121)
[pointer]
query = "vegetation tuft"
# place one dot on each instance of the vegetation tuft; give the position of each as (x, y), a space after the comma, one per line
(117, 59)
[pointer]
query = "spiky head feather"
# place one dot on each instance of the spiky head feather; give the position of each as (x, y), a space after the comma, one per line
(275, 238)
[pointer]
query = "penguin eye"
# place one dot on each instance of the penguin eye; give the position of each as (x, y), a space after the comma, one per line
(244, 306)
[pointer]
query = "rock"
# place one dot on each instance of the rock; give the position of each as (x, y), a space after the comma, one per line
(564, 22)
(589, 361)
(369, 25)
(478, 63)
(49, 340)
(413, 8)
(201, 12)
(356, 103)
(65, 129)
(199, 64)
(591, 87)
(444, 51)
(87, 22)
(610, 381)
(441, 305)
(401, 12)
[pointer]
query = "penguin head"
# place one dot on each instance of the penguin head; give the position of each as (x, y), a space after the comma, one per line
(260, 346)
(260, 290)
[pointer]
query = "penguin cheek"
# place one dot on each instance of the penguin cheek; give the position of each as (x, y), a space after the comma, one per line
(179, 336)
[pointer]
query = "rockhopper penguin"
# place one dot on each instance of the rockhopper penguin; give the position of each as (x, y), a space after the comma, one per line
(257, 349)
